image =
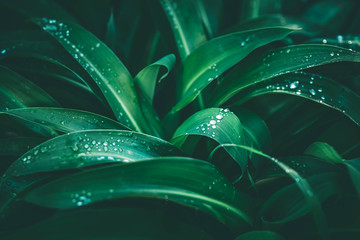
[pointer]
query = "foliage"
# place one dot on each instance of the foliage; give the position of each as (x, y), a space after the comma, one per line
(168, 119)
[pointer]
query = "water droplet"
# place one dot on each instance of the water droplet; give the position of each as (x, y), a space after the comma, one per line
(50, 27)
(3, 51)
(219, 116)
(97, 45)
(312, 92)
(43, 149)
(332, 54)
(74, 147)
(212, 122)
(242, 44)
(324, 41)
(294, 85)
(288, 51)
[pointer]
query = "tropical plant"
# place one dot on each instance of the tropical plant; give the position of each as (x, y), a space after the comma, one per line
(169, 119)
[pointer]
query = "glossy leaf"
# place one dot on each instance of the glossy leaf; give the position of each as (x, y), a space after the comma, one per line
(328, 153)
(287, 205)
(260, 22)
(261, 67)
(310, 86)
(87, 148)
(104, 67)
(353, 167)
(220, 125)
(188, 182)
(216, 56)
(16, 92)
(324, 151)
(256, 132)
(64, 119)
(186, 25)
(147, 78)
(312, 201)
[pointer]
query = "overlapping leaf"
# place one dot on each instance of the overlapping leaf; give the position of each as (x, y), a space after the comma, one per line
(16, 92)
(310, 86)
(220, 125)
(216, 56)
(185, 181)
(261, 67)
(104, 67)
(64, 119)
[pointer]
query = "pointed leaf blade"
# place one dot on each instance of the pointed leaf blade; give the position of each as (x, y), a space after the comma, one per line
(216, 56)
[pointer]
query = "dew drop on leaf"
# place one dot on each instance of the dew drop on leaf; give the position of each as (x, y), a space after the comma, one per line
(294, 85)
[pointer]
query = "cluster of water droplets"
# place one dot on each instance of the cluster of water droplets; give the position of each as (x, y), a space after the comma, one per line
(6, 50)
(298, 166)
(82, 54)
(90, 149)
(82, 198)
(208, 128)
(350, 42)
(306, 85)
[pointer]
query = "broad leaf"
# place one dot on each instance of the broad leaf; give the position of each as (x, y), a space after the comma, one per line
(185, 181)
(16, 92)
(312, 201)
(260, 67)
(216, 56)
(186, 25)
(310, 86)
(80, 150)
(220, 125)
(104, 67)
(324, 151)
(92, 147)
(65, 120)
(353, 167)
(147, 78)
(288, 204)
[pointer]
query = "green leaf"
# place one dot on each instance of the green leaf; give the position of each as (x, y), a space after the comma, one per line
(311, 86)
(260, 67)
(16, 92)
(261, 22)
(104, 67)
(186, 25)
(64, 119)
(287, 204)
(256, 132)
(87, 148)
(257, 235)
(312, 201)
(353, 167)
(185, 181)
(327, 153)
(252, 9)
(324, 151)
(220, 125)
(146, 79)
(216, 56)
(56, 78)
